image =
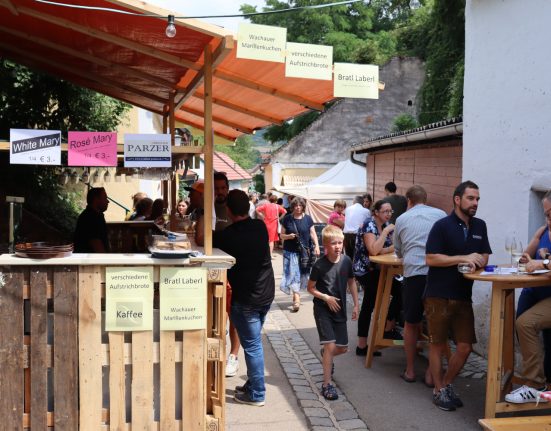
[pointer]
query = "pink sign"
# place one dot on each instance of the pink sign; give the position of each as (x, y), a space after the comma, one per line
(92, 149)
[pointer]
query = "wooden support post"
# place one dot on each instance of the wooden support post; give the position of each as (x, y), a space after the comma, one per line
(170, 198)
(208, 149)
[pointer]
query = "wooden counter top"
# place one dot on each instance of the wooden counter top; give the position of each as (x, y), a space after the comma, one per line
(218, 259)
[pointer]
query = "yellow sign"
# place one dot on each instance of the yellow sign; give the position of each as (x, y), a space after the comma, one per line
(305, 60)
(183, 298)
(129, 298)
(356, 80)
(261, 42)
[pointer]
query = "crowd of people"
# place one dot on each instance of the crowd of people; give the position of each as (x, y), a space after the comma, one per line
(430, 243)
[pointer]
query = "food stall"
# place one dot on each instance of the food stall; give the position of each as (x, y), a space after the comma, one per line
(65, 364)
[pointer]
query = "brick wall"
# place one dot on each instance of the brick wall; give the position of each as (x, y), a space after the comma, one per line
(436, 168)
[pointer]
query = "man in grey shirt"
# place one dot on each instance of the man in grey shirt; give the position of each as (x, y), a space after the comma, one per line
(410, 237)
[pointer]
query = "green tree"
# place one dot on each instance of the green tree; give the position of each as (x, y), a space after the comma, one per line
(404, 122)
(32, 100)
(243, 152)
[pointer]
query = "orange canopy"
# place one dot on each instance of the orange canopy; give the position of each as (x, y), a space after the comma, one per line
(130, 58)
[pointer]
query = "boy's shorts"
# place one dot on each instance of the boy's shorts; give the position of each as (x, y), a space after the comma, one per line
(445, 315)
(329, 330)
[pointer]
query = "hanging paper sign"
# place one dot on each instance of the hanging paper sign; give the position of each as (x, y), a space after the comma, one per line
(261, 42)
(147, 151)
(35, 147)
(305, 60)
(356, 80)
(183, 298)
(92, 149)
(129, 298)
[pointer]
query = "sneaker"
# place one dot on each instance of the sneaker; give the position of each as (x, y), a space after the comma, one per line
(232, 366)
(442, 400)
(329, 392)
(363, 352)
(243, 388)
(453, 396)
(393, 334)
(525, 394)
(245, 398)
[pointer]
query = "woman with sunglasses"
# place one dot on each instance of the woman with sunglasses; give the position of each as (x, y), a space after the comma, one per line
(374, 238)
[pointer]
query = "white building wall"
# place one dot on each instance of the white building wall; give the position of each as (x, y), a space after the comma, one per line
(507, 122)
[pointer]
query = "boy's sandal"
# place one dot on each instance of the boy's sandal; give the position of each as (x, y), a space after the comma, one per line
(329, 392)
(296, 306)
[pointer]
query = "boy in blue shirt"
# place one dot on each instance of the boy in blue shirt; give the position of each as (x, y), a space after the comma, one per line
(328, 281)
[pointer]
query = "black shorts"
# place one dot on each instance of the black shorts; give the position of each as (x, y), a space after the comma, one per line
(329, 330)
(412, 298)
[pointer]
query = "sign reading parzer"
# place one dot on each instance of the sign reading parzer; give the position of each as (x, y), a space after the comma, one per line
(129, 298)
(147, 150)
(183, 298)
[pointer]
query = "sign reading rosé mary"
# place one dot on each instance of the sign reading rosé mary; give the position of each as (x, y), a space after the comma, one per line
(35, 147)
(356, 80)
(305, 60)
(147, 151)
(92, 149)
(261, 42)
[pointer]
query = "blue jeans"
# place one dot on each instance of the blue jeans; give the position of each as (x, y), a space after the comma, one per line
(248, 321)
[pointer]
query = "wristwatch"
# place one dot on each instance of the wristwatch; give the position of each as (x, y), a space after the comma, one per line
(545, 263)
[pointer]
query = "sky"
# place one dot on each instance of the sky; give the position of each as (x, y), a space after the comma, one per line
(209, 7)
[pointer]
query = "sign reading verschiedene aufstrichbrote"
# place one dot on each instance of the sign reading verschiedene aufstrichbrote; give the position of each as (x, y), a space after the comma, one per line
(129, 298)
(35, 147)
(305, 60)
(356, 80)
(182, 298)
(147, 151)
(261, 42)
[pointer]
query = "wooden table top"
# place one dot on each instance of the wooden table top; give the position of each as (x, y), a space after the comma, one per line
(521, 279)
(386, 259)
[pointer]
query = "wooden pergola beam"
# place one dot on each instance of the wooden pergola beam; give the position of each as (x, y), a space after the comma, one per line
(10, 6)
(222, 50)
(82, 81)
(238, 108)
(106, 37)
(202, 127)
(84, 74)
(91, 58)
(215, 119)
(244, 82)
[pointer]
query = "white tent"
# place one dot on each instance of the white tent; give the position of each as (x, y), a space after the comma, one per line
(343, 181)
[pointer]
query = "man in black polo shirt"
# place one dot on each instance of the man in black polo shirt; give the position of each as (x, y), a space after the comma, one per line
(91, 231)
(253, 289)
(455, 239)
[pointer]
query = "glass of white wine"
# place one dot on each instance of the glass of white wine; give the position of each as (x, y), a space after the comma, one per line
(510, 243)
(516, 254)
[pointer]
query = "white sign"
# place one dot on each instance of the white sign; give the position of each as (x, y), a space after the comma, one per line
(35, 147)
(261, 42)
(356, 80)
(147, 151)
(305, 60)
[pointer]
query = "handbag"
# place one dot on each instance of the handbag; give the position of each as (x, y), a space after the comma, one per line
(307, 257)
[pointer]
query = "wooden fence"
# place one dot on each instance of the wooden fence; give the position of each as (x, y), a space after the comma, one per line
(59, 369)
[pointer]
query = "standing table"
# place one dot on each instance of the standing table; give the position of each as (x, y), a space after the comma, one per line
(391, 265)
(501, 363)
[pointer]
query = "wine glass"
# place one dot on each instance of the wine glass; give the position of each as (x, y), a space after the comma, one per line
(516, 253)
(510, 243)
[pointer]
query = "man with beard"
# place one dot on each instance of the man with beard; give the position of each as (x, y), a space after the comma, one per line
(459, 238)
(91, 231)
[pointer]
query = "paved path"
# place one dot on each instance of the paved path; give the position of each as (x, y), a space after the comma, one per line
(375, 399)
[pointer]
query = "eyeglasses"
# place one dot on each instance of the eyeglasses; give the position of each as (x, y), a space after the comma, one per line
(387, 212)
(547, 214)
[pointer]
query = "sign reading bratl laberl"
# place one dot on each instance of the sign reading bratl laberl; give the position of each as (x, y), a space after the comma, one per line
(261, 42)
(129, 298)
(92, 149)
(356, 80)
(183, 298)
(147, 151)
(35, 147)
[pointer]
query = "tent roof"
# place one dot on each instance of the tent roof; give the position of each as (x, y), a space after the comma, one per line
(130, 58)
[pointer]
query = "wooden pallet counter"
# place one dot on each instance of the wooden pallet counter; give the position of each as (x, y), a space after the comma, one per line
(60, 369)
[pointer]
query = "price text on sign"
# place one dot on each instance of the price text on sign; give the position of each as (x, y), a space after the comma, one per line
(92, 149)
(35, 147)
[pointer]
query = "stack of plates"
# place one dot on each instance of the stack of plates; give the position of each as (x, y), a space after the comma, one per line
(43, 250)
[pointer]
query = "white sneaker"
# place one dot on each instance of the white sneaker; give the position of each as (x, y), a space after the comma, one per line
(525, 394)
(232, 366)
